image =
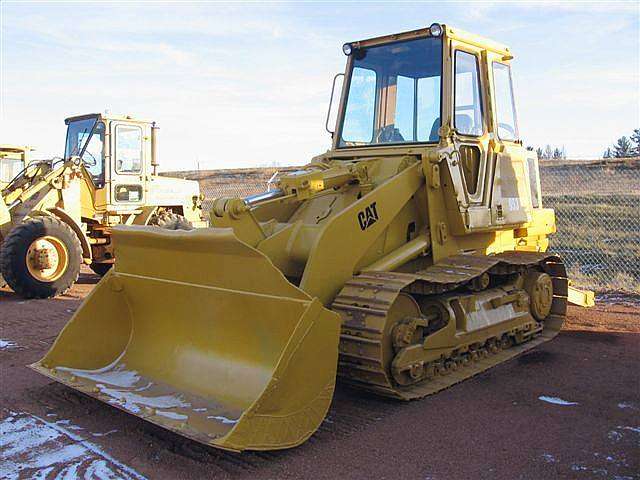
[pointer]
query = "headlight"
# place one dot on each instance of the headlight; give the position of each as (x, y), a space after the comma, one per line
(347, 49)
(435, 29)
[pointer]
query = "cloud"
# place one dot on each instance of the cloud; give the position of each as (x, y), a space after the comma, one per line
(241, 84)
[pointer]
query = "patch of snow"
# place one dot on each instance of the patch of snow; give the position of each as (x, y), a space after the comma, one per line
(614, 435)
(547, 457)
(223, 419)
(617, 434)
(30, 443)
(117, 377)
(7, 345)
(556, 400)
(172, 415)
(633, 429)
(133, 402)
(99, 434)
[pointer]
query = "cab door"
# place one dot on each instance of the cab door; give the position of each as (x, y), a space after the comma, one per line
(512, 197)
(127, 165)
(470, 125)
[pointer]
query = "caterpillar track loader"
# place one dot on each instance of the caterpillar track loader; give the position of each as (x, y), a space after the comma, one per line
(57, 214)
(407, 258)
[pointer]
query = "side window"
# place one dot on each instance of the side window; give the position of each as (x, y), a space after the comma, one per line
(128, 149)
(358, 122)
(468, 108)
(93, 156)
(505, 105)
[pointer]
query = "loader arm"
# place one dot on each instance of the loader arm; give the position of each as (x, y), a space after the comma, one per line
(31, 186)
(333, 260)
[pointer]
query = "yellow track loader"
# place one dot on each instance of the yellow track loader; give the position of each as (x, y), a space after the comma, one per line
(405, 259)
(57, 214)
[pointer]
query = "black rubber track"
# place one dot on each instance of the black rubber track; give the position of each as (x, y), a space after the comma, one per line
(13, 257)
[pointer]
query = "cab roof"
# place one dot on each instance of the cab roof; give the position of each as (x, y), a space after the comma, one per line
(448, 31)
(105, 116)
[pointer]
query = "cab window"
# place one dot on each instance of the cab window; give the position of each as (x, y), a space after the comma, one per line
(358, 125)
(468, 107)
(128, 152)
(505, 105)
(93, 156)
(393, 94)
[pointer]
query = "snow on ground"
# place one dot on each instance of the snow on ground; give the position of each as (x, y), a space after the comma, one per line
(31, 447)
(6, 344)
(555, 400)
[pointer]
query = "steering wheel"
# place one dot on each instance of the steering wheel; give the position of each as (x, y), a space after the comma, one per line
(508, 128)
(93, 161)
(389, 134)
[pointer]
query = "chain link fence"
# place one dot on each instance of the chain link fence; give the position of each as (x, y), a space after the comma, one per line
(597, 206)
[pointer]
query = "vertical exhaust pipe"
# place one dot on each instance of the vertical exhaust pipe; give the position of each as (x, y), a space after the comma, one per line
(154, 148)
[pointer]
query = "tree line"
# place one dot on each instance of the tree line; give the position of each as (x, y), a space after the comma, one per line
(625, 147)
(551, 153)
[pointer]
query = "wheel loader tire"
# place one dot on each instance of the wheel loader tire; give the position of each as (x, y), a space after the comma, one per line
(41, 258)
(101, 268)
(170, 221)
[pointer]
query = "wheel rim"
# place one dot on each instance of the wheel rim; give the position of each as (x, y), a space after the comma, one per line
(47, 259)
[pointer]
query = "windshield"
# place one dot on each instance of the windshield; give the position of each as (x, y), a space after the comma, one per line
(78, 133)
(85, 138)
(394, 94)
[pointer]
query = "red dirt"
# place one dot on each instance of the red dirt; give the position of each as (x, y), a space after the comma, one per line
(492, 426)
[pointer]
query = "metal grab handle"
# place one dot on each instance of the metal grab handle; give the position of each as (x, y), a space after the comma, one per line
(333, 87)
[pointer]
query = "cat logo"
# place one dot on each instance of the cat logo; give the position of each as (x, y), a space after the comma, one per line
(368, 216)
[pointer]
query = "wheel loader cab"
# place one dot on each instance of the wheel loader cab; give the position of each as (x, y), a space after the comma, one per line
(115, 152)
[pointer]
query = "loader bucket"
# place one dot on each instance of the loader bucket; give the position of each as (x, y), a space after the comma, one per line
(201, 334)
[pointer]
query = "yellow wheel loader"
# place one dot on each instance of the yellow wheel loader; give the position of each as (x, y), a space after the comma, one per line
(57, 214)
(407, 258)
(13, 159)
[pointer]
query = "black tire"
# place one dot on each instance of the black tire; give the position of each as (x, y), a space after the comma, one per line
(101, 268)
(13, 258)
(170, 221)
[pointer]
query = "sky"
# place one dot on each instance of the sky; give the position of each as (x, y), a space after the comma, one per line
(247, 84)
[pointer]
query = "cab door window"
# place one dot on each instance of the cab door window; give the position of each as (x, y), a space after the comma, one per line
(128, 149)
(93, 156)
(505, 105)
(468, 105)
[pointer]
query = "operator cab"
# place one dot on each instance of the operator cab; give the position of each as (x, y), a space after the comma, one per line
(118, 163)
(399, 88)
(440, 89)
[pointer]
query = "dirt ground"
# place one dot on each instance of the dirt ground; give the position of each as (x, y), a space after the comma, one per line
(568, 409)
